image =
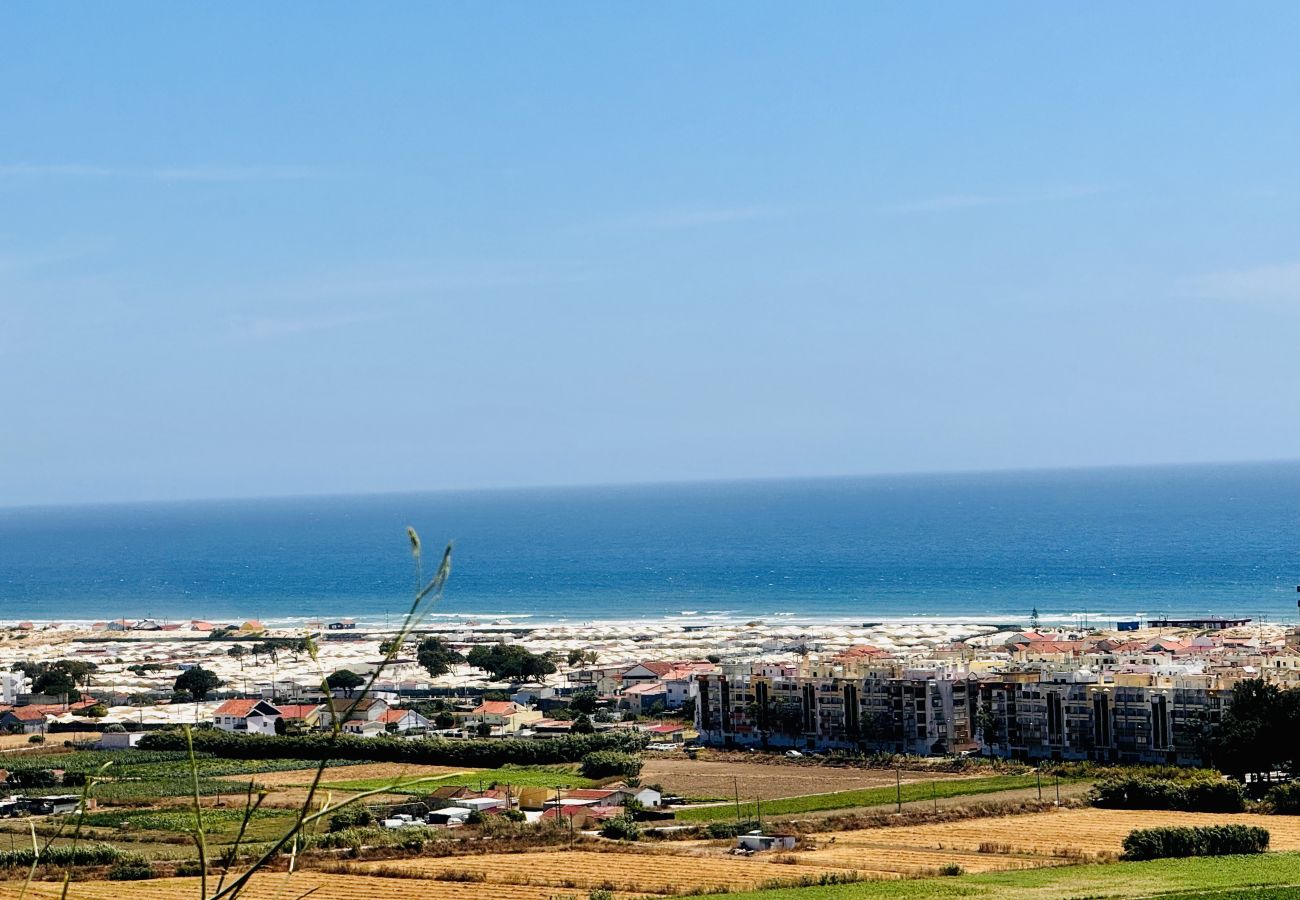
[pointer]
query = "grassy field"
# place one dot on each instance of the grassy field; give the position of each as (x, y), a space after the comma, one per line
(878, 796)
(220, 825)
(515, 776)
(138, 777)
(1168, 879)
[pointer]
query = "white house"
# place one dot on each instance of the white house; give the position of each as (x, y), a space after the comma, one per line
(120, 740)
(405, 720)
(11, 685)
(757, 841)
(251, 716)
(649, 798)
(364, 727)
(367, 709)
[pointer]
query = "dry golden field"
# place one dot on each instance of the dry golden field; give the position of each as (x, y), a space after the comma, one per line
(1048, 838)
(976, 845)
(275, 887)
(645, 870)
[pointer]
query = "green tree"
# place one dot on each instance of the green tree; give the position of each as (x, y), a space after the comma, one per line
(345, 680)
(582, 725)
(1257, 731)
(197, 682)
(436, 656)
(236, 652)
(986, 723)
(56, 683)
(511, 662)
(575, 658)
(583, 701)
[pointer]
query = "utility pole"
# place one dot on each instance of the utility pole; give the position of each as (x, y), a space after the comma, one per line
(735, 784)
(934, 795)
(1039, 773)
(898, 789)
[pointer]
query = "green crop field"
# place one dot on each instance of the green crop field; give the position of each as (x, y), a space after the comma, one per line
(218, 824)
(515, 776)
(881, 796)
(1270, 876)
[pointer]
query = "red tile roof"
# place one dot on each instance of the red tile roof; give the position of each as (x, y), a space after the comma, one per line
(659, 668)
(238, 708)
(497, 708)
(297, 710)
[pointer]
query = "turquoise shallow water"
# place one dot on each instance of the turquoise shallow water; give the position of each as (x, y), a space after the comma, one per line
(1116, 542)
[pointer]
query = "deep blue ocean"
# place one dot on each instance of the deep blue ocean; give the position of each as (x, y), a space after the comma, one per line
(1112, 542)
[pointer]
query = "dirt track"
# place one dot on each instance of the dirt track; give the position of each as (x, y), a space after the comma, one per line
(720, 778)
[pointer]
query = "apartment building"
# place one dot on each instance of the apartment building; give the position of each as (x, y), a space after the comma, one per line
(1031, 714)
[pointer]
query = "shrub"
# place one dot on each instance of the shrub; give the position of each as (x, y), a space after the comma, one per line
(730, 829)
(84, 855)
(354, 816)
(36, 739)
(621, 829)
(951, 869)
(1203, 794)
(460, 875)
(131, 868)
(413, 841)
(1285, 799)
(188, 868)
(1207, 840)
(611, 763)
(481, 754)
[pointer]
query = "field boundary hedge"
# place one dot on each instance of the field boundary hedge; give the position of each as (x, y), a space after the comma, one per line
(1205, 840)
(482, 754)
(1206, 794)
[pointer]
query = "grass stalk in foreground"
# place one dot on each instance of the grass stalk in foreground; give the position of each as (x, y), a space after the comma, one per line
(426, 595)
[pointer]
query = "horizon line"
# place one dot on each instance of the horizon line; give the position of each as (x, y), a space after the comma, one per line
(671, 482)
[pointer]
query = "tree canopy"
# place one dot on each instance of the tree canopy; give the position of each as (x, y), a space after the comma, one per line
(436, 656)
(198, 682)
(1257, 731)
(56, 683)
(345, 680)
(510, 662)
(58, 678)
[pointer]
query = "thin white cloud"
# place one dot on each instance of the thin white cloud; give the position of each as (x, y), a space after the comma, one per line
(193, 173)
(397, 279)
(237, 173)
(950, 202)
(675, 219)
(267, 328)
(1277, 283)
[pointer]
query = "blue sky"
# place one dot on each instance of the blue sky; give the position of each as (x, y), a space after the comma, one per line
(300, 248)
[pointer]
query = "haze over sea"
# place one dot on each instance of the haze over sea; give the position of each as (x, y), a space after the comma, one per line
(968, 547)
